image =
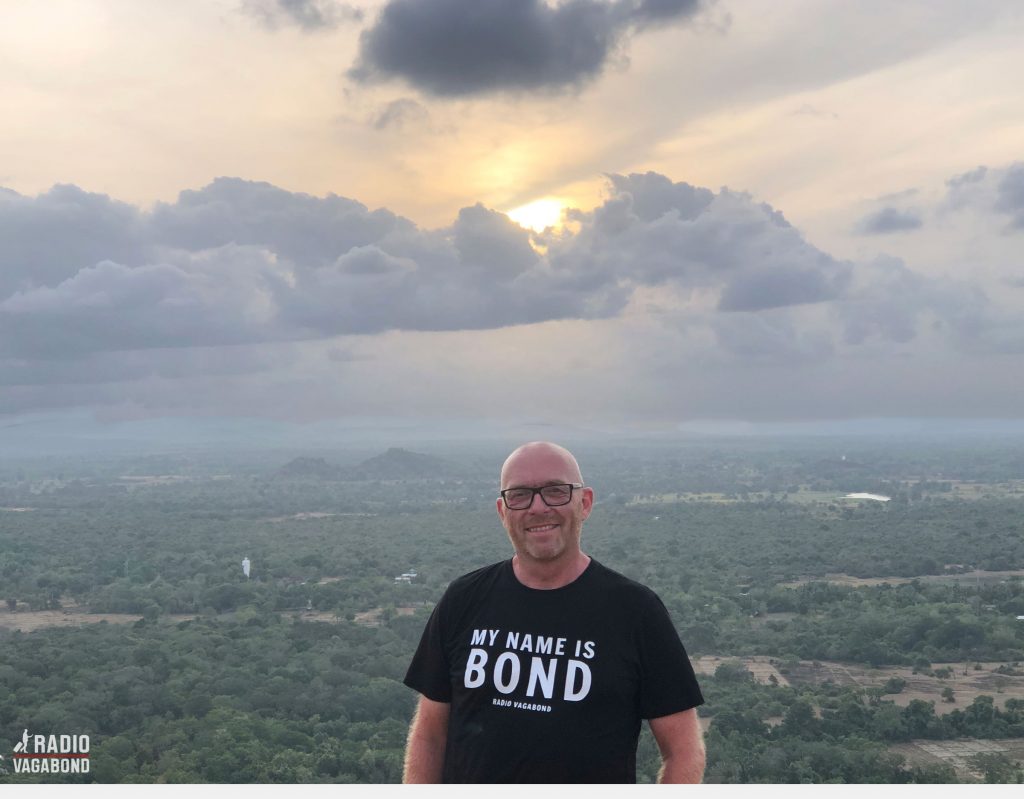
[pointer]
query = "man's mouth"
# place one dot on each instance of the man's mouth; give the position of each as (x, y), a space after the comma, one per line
(541, 528)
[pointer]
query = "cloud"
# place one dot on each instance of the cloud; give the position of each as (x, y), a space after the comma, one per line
(811, 111)
(772, 338)
(448, 48)
(400, 114)
(308, 15)
(1010, 195)
(966, 178)
(654, 232)
(649, 12)
(49, 238)
(989, 190)
(780, 287)
(304, 229)
(215, 297)
(889, 220)
(239, 262)
(240, 295)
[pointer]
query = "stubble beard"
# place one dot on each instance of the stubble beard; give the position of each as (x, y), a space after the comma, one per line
(548, 551)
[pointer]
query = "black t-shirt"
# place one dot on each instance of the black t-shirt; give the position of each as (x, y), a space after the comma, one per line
(550, 685)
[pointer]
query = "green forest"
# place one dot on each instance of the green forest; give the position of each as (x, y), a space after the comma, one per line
(837, 640)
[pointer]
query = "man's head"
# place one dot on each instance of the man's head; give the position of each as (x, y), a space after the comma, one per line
(540, 532)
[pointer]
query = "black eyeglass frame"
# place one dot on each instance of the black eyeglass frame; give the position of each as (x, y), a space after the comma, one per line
(536, 491)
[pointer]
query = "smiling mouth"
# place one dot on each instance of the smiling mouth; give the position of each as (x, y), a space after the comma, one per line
(541, 528)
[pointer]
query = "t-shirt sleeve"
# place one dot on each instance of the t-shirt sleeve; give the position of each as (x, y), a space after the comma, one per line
(667, 682)
(430, 673)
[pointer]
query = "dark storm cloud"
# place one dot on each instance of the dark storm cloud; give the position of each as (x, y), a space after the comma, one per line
(453, 48)
(309, 15)
(889, 220)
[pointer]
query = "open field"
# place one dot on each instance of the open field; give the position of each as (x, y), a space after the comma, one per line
(305, 515)
(30, 620)
(967, 681)
(301, 516)
(969, 490)
(972, 577)
(957, 753)
(72, 615)
(760, 666)
(373, 618)
(805, 495)
(153, 479)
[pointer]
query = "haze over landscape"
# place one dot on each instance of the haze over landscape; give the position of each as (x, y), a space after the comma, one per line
(300, 212)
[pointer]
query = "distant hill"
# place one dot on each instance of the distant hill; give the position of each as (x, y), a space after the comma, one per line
(400, 464)
(315, 468)
(395, 464)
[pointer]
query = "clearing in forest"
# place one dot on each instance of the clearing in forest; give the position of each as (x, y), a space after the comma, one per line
(975, 577)
(30, 620)
(958, 753)
(967, 680)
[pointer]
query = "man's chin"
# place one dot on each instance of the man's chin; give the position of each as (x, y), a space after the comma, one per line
(545, 553)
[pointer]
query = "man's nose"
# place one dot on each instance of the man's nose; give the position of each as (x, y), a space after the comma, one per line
(541, 505)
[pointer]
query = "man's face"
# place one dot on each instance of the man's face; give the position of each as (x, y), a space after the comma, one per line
(541, 533)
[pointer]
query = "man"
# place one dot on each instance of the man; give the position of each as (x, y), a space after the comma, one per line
(540, 668)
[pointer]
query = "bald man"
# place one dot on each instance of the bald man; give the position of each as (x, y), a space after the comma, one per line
(540, 668)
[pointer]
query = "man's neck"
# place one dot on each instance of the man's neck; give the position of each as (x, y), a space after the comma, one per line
(548, 575)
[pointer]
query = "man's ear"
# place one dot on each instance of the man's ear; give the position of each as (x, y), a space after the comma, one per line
(588, 501)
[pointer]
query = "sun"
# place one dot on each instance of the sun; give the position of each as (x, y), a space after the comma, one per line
(539, 214)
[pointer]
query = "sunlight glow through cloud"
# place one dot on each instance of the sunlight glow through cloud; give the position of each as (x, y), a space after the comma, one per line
(538, 215)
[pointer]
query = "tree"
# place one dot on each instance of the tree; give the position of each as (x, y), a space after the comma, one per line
(894, 685)
(800, 721)
(920, 719)
(733, 671)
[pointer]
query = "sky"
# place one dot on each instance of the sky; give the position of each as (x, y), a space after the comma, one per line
(635, 214)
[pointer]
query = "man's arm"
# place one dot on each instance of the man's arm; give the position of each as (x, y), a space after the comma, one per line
(428, 734)
(681, 742)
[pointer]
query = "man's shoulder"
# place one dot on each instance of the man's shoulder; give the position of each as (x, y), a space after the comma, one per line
(623, 588)
(482, 578)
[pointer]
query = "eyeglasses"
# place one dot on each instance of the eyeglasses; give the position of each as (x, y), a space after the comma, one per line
(553, 495)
